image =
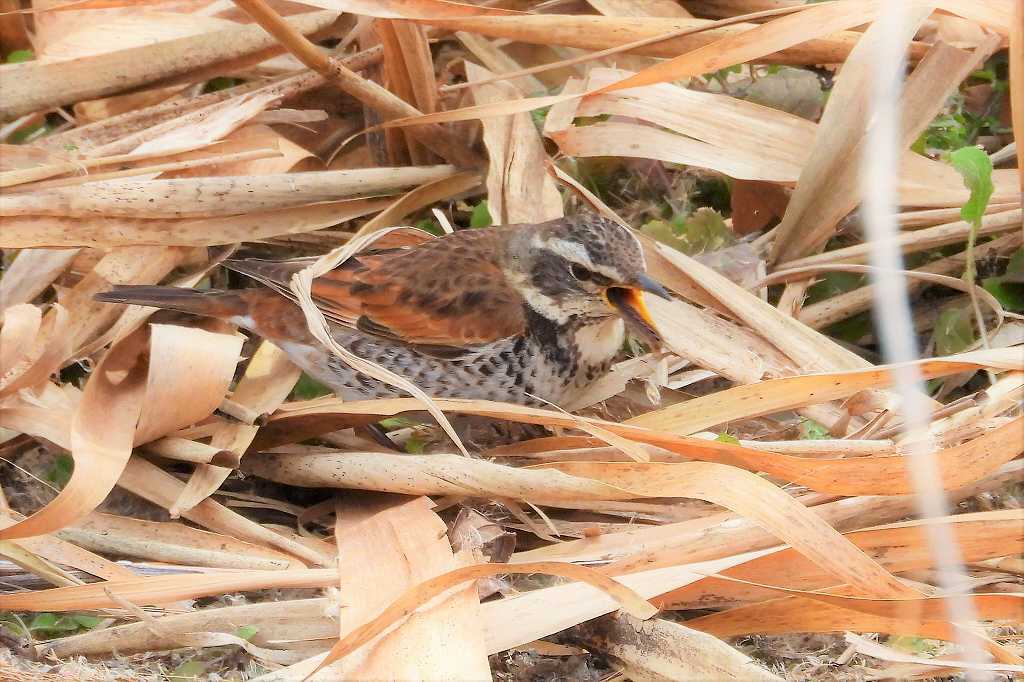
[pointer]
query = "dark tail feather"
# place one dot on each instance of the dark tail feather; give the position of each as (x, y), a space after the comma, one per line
(211, 303)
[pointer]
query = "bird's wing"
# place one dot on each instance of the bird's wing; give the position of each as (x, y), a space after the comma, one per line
(442, 299)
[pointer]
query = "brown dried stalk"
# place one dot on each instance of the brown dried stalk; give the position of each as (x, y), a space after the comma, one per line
(375, 96)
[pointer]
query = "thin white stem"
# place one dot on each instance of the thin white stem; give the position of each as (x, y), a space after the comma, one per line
(893, 316)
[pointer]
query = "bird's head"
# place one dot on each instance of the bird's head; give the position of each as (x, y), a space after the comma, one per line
(584, 267)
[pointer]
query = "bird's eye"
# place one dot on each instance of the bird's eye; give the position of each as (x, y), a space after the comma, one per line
(584, 275)
(581, 273)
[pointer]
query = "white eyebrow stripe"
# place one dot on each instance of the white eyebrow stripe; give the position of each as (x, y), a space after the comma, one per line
(574, 252)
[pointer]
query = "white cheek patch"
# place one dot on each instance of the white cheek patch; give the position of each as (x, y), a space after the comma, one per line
(545, 306)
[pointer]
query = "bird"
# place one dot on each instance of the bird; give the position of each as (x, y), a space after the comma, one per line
(529, 314)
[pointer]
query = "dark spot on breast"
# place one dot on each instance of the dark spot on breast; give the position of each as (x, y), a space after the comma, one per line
(360, 288)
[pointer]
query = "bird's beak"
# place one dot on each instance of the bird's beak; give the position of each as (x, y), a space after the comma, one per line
(628, 301)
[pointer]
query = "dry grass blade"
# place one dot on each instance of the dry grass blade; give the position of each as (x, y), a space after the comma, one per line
(162, 589)
(778, 395)
(114, 231)
(289, 620)
(899, 547)
(171, 542)
(789, 614)
(36, 85)
(267, 381)
(213, 196)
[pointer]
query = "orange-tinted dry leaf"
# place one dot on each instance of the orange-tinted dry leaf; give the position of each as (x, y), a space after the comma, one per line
(754, 498)
(779, 395)
(899, 547)
(801, 614)
(772, 36)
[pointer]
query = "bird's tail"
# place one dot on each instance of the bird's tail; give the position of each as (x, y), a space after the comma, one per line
(210, 303)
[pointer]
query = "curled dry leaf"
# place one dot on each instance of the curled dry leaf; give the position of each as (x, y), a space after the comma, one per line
(267, 381)
(151, 383)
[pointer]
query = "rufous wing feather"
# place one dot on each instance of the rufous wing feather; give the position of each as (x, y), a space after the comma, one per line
(442, 293)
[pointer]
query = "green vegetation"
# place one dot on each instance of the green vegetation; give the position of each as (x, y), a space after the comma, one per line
(307, 388)
(705, 230)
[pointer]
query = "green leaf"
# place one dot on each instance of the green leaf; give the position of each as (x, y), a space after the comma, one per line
(727, 438)
(976, 168)
(415, 445)
(246, 632)
(812, 430)
(189, 670)
(833, 284)
(954, 330)
(395, 423)
(540, 116)
(19, 56)
(307, 388)
(662, 231)
(481, 215)
(913, 645)
(43, 621)
(85, 621)
(60, 472)
(704, 231)
(429, 225)
(30, 133)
